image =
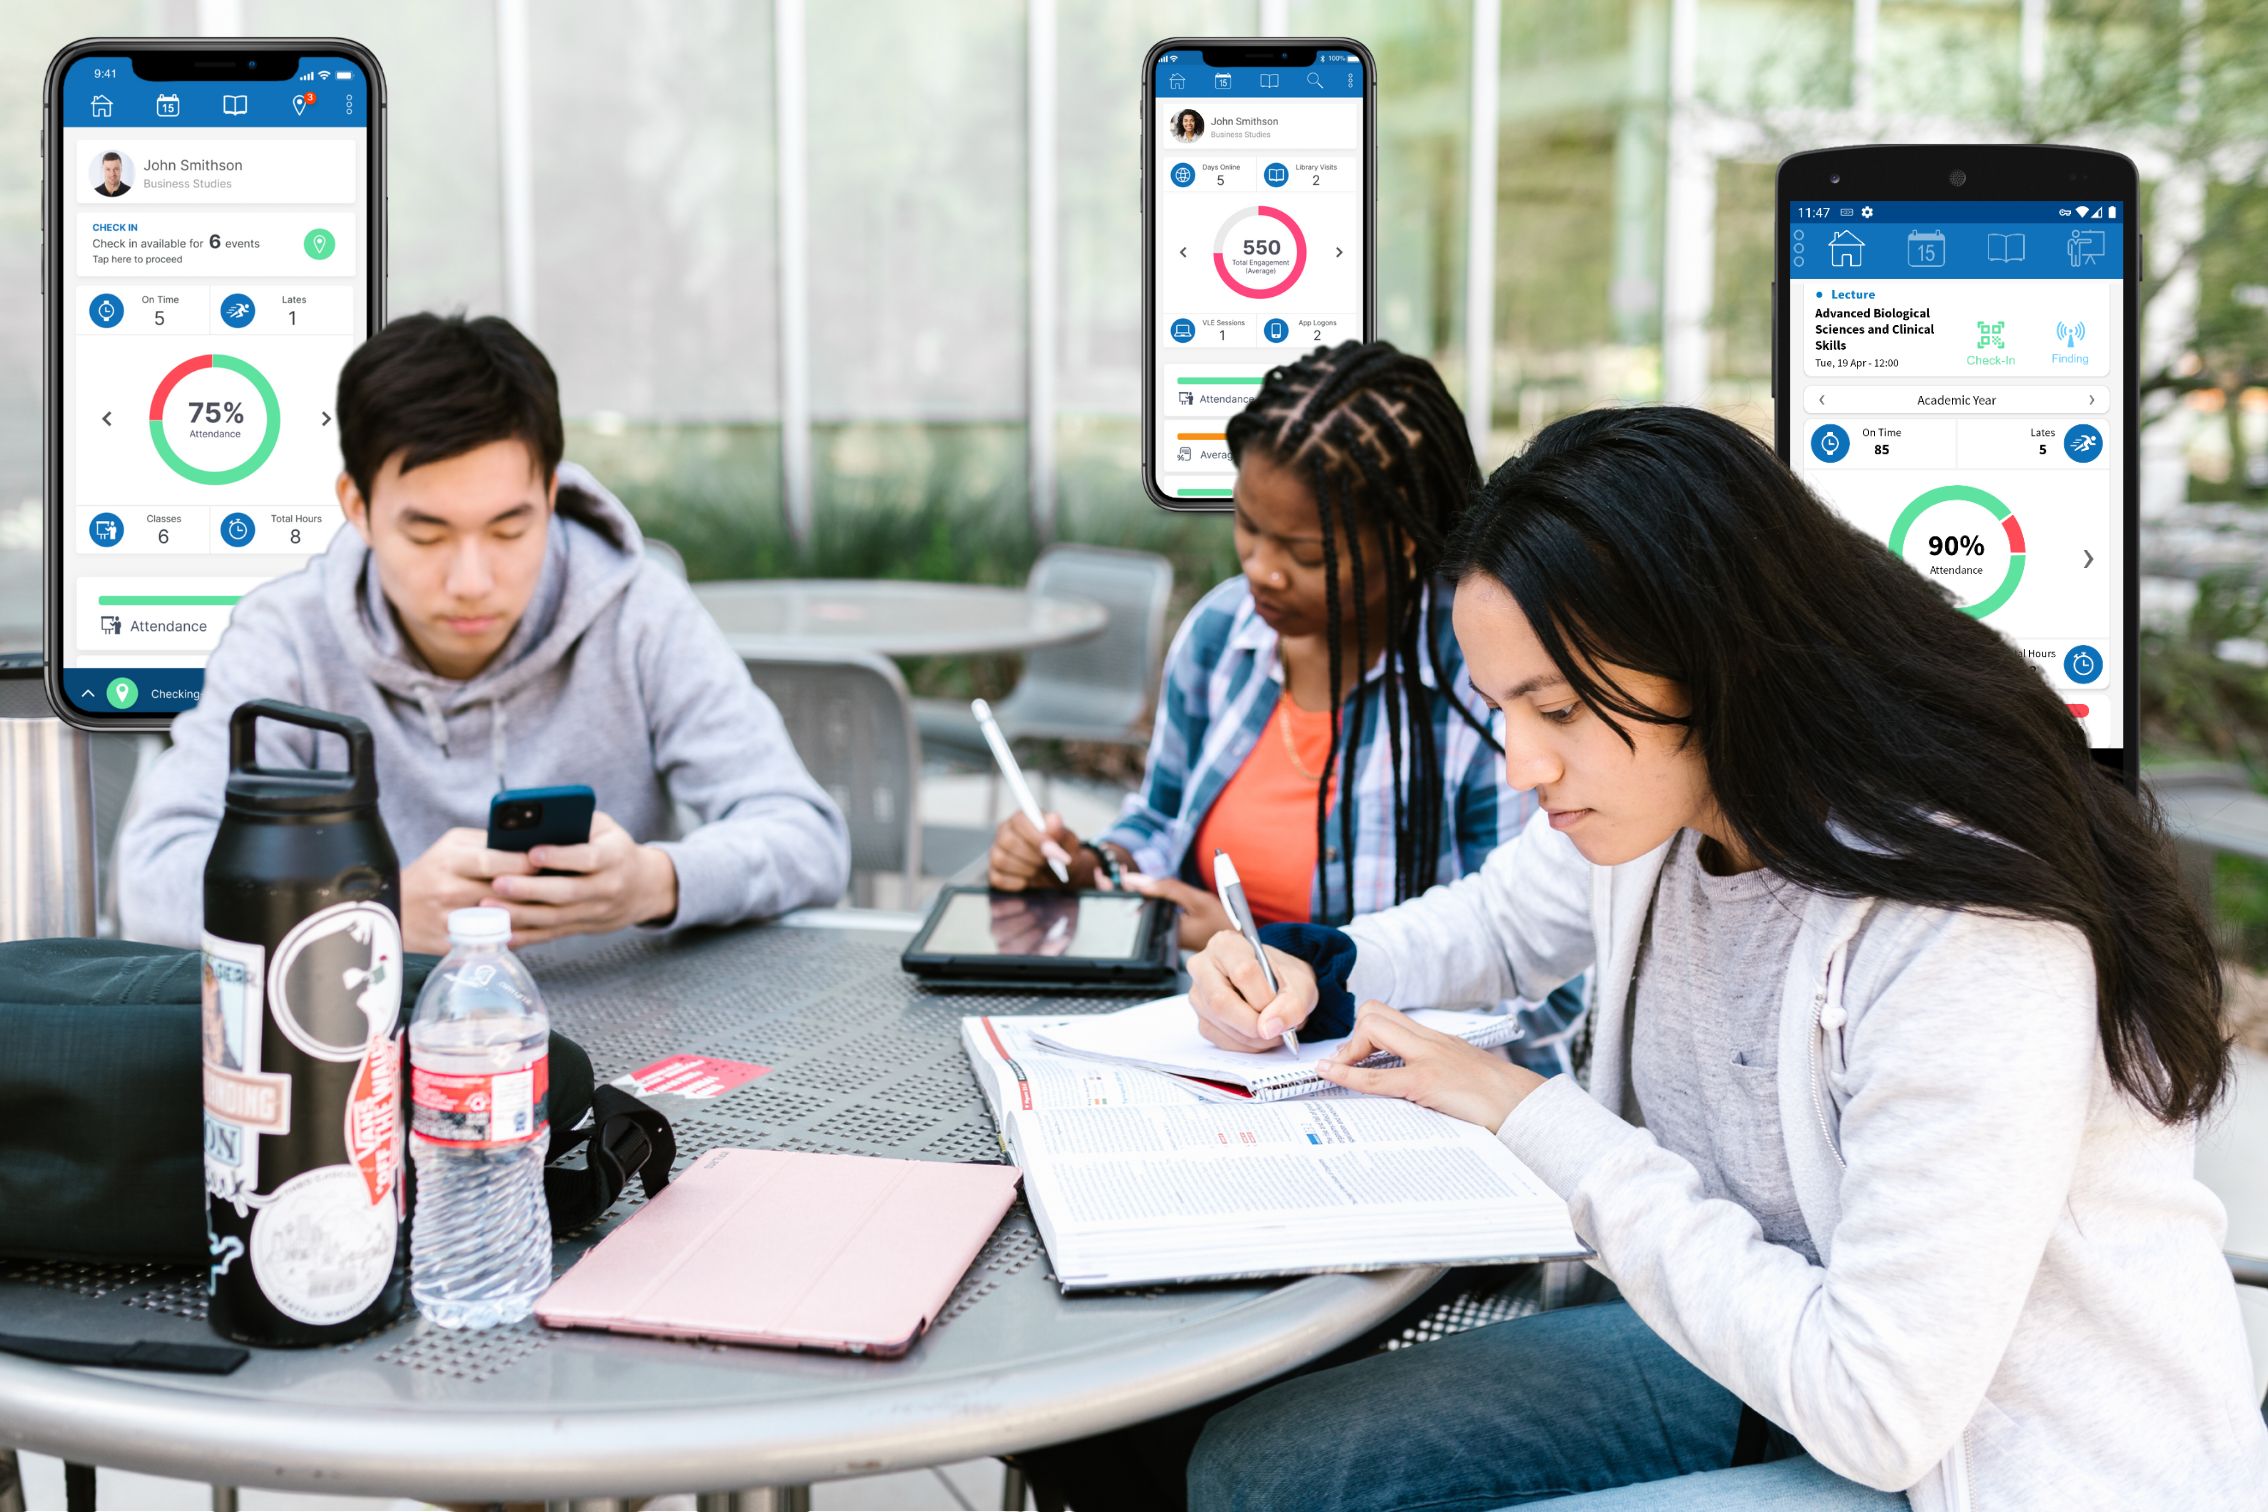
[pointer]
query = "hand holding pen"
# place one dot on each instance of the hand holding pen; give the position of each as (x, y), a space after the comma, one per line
(1030, 845)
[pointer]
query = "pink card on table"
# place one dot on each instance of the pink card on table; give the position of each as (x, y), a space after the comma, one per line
(850, 1253)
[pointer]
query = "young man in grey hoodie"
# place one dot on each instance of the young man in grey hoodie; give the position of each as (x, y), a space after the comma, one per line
(493, 618)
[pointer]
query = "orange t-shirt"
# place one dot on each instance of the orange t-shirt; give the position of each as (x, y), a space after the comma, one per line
(1265, 817)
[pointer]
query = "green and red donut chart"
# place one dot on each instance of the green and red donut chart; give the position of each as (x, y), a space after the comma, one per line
(1969, 494)
(260, 386)
(1256, 264)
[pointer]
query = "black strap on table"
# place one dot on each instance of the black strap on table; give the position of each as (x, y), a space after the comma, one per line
(627, 1138)
(141, 1354)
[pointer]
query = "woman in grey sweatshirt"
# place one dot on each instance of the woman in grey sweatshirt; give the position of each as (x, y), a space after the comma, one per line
(1901, 1029)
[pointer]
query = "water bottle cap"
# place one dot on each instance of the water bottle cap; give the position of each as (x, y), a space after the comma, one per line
(479, 924)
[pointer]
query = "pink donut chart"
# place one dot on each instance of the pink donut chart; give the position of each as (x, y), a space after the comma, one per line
(1257, 265)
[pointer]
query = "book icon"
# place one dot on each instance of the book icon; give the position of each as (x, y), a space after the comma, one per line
(2004, 247)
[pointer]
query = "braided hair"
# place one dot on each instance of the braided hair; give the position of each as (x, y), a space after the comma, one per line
(1380, 443)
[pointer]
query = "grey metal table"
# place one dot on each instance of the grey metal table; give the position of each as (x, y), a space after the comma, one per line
(862, 1062)
(892, 618)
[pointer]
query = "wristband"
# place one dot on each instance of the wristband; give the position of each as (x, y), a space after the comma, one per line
(1107, 861)
(1330, 954)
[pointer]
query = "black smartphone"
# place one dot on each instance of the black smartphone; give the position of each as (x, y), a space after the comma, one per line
(214, 215)
(520, 819)
(1259, 212)
(1954, 371)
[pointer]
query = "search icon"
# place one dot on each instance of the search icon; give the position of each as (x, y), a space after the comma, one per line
(1315, 78)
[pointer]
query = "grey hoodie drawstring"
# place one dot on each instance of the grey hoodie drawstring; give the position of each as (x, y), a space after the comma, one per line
(435, 725)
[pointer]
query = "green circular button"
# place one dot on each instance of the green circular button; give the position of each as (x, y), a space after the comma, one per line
(321, 244)
(121, 692)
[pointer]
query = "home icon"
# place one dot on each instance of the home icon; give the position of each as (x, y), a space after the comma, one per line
(100, 104)
(1845, 250)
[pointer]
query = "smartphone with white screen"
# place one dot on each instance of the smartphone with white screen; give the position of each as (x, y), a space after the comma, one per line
(215, 240)
(1955, 373)
(1259, 200)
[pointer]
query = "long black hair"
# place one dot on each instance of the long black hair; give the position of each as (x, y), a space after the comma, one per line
(1863, 736)
(1381, 444)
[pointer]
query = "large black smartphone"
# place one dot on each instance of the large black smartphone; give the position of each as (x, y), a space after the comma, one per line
(214, 214)
(1259, 212)
(1954, 371)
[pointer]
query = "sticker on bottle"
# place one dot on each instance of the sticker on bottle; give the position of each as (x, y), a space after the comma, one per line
(321, 1250)
(481, 1111)
(337, 980)
(241, 1102)
(374, 1118)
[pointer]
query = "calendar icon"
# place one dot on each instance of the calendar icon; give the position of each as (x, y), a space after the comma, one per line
(1925, 249)
(169, 104)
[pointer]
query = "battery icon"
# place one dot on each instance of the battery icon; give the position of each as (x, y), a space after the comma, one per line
(2112, 212)
(344, 73)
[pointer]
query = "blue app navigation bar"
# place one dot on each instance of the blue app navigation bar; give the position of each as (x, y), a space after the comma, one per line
(323, 91)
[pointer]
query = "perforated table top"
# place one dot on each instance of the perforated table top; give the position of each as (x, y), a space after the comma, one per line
(861, 1061)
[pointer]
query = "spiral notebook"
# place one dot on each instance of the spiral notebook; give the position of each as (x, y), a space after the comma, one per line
(1163, 1036)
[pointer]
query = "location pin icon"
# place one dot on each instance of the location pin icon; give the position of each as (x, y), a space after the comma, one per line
(319, 244)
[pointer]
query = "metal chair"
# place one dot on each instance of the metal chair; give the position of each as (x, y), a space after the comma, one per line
(1098, 689)
(851, 721)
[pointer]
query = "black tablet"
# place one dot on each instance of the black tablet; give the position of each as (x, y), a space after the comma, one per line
(975, 937)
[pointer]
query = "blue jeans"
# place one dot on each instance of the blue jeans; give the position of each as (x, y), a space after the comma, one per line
(1584, 1403)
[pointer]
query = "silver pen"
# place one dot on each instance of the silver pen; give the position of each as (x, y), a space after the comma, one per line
(1231, 888)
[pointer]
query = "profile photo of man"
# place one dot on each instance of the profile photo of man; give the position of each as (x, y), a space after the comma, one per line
(1189, 125)
(113, 177)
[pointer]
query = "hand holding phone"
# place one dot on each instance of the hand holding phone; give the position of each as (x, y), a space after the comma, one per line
(606, 882)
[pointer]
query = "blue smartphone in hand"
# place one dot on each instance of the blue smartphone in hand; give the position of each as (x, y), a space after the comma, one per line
(520, 819)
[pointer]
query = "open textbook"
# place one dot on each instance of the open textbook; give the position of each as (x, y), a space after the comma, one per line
(1136, 1180)
(1162, 1036)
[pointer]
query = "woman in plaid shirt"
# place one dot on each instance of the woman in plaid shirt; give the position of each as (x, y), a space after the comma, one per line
(1315, 722)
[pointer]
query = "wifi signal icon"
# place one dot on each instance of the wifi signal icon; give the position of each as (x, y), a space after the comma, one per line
(2070, 335)
(322, 73)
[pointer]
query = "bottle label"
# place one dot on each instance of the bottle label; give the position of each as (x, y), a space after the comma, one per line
(481, 1112)
(241, 1102)
(321, 1250)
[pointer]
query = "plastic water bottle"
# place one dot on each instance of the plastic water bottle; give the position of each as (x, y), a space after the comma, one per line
(480, 1238)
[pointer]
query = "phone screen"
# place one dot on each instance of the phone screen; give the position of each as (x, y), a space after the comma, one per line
(1258, 197)
(1957, 389)
(213, 270)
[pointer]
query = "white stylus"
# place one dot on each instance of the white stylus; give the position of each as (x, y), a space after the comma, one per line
(1057, 860)
(1231, 888)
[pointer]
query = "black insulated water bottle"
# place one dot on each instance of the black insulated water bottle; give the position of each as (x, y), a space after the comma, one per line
(303, 1024)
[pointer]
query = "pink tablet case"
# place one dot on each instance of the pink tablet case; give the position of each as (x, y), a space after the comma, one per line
(850, 1253)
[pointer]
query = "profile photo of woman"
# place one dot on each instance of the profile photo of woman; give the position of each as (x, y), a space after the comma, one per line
(1189, 125)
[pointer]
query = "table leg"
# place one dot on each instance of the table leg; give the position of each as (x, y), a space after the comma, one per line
(224, 1499)
(765, 1499)
(11, 1482)
(1013, 1488)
